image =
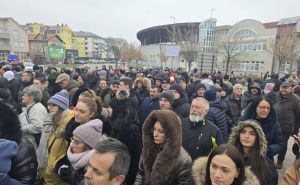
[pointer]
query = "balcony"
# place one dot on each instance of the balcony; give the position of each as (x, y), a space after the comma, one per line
(4, 36)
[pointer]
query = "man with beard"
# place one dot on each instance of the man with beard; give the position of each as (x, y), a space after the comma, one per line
(26, 81)
(199, 136)
(149, 104)
(112, 93)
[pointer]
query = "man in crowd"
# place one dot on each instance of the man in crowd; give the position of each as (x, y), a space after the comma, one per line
(109, 163)
(180, 104)
(65, 82)
(149, 104)
(165, 100)
(199, 136)
(289, 116)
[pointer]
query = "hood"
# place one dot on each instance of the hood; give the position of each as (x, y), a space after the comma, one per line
(256, 85)
(199, 172)
(218, 104)
(72, 85)
(235, 132)
(162, 162)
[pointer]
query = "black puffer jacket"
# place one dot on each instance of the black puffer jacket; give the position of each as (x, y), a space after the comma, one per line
(24, 164)
(217, 115)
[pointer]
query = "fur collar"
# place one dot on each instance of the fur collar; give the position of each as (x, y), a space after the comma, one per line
(160, 162)
(199, 172)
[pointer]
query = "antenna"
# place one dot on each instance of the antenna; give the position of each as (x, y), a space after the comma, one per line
(211, 12)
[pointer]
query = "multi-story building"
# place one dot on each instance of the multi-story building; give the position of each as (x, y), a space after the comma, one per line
(35, 28)
(90, 45)
(13, 39)
(245, 46)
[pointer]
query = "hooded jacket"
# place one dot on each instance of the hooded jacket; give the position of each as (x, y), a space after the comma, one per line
(72, 87)
(166, 164)
(248, 97)
(271, 130)
(199, 172)
(263, 146)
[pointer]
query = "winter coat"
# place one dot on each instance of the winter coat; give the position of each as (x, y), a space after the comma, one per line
(291, 175)
(76, 176)
(57, 147)
(234, 139)
(217, 115)
(72, 87)
(290, 111)
(125, 128)
(32, 121)
(24, 164)
(14, 87)
(234, 110)
(165, 164)
(5, 97)
(9, 181)
(198, 139)
(181, 107)
(147, 106)
(271, 130)
(199, 172)
(141, 94)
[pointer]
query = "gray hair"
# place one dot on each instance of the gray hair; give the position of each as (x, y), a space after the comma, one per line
(121, 163)
(204, 102)
(34, 93)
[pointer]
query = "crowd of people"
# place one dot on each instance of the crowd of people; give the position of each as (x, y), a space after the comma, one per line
(146, 126)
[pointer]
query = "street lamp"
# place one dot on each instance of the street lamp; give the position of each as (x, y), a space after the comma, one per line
(173, 28)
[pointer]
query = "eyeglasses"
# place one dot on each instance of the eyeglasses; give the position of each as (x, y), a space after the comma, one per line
(268, 108)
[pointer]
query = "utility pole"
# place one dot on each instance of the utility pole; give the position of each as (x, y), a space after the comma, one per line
(173, 28)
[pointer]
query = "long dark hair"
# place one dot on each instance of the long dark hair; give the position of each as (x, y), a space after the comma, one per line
(233, 153)
(253, 159)
(251, 110)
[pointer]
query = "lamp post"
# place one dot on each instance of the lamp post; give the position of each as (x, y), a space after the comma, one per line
(173, 28)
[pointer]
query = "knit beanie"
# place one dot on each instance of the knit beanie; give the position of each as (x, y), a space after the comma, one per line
(84, 78)
(8, 150)
(61, 99)
(210, 95)
(168, 95)
(177, 88)
(90, 133)
(9, 75)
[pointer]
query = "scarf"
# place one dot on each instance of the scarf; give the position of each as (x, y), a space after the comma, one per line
(79, 160)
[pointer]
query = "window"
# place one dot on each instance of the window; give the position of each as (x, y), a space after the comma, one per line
(285, 67)
(249, 65)
(245, 33)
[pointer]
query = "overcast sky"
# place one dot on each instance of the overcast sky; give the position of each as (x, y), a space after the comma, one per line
(124, 18)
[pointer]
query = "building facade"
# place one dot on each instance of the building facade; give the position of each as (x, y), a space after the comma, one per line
(90, 45)
(13, 39)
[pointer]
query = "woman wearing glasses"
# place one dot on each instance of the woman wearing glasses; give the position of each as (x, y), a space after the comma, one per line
(262, 111)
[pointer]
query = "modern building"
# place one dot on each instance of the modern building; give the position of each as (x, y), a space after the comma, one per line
(90, 46)
(246, 45)
(13, 39)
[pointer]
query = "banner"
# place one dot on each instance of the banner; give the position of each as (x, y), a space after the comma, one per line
(57, 52)
(172, 51)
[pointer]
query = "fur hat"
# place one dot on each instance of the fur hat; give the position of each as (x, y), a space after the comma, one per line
(210, 95)
(168, 95)
(234, 136)
(90, 133)
(61, 99)
(8, 150)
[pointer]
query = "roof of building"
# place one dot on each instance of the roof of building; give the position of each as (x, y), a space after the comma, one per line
(289, 20)
(85, 34)
(270, 25)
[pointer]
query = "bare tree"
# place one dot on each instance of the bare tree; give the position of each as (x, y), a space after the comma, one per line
(186, 38)
(114, 46)
(229, 48)
(162, 56)
(130, 52)
(284, 46)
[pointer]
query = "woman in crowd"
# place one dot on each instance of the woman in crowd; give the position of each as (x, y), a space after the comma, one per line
(102, 90)
(42, 84)
(164, 161)
(225, 165)
(262, 111)
(24, 164)
(249, 138)
(79, 152)
(58, 105)
(141, 90)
